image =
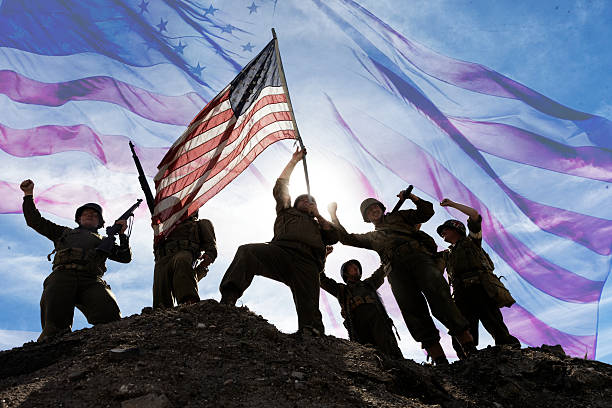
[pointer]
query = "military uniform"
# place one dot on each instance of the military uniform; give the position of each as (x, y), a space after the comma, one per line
(76, 279)
(295, 257)
(414, 273)
(470, 271)
(365, 317)
(174, 277)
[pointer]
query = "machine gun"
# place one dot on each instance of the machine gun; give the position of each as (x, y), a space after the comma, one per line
(106, 246)
(406, 192)
(144, 184)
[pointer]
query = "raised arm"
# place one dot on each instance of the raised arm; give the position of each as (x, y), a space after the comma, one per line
(281, 188)
(208, 241)
(377, 278)
(32, 216)
(122, 252)
(346, 238)
(423, 212)
(469, 211)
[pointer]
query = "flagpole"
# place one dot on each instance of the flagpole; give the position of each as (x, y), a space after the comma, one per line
(297, 132)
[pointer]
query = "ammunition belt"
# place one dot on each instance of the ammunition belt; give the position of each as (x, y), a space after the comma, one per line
(172, 247)
(361, 300)
(79, 267)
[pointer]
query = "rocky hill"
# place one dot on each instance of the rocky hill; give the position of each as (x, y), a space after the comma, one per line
(209, 354)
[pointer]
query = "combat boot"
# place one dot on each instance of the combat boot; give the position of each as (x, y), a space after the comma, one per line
(467, 343)
(229, 299)
(436, 353)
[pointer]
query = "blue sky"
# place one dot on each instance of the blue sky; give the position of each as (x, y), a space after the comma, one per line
(560, 49)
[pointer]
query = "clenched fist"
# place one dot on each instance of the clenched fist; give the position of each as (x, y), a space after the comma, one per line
(27, 186)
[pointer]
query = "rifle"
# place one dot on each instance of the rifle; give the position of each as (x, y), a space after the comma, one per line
(143, 180)
(106, 246)
(406, 192)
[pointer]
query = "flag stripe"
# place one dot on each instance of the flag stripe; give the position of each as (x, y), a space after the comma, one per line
(511, 143)
(111, 151)
(174, 110)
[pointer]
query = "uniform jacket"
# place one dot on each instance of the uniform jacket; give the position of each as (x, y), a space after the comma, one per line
(192, 235)
(396, 230)
(297, 230)
(75, 246)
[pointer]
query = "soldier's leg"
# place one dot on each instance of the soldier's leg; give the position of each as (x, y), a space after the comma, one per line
(375, 327)
(493, 320)
(414, 309)
(162, 283)
(96, 301)
(57, 303)
(184, 281)
(303, 279)
(252, 259)
(436, 290)
(464, 303)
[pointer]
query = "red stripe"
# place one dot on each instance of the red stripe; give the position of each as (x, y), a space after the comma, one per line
(209, 107)
(204, 148)
(195, 158)
(254, 152)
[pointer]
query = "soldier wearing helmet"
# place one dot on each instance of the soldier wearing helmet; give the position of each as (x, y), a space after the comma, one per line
(409, 257)
(295, 256)
(174, 276)
(478, 293)
(365, 317)
(76, 278)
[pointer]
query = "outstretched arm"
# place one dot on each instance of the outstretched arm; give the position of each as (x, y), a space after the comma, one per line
(281, 188)
(355, 240)
(469, 211)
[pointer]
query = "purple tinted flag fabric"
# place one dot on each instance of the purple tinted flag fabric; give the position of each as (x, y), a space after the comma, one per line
(377, 111)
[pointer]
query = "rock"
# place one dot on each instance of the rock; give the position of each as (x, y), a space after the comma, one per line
(297, 375)
(77, 374)
(148, 401)
(146, 310)
(228, 382)
(123, 353)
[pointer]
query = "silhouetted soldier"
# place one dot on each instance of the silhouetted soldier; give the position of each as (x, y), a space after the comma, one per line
(365, 317)
(76, 279)
(175, 277)
(415, 278)
(295, 256)
(478, 293)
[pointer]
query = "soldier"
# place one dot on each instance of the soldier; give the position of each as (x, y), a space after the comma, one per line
(76, 279)
(365, 317)
(175, 277)
(478, 293)
(408, 256)
(295, 256)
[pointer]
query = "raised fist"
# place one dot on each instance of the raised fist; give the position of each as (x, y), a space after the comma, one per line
(27, 186)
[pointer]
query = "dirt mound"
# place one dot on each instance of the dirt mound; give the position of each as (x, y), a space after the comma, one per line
(209, 354)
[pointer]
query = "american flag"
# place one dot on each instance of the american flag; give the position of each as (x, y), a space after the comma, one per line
(380, 110)
(247, 116)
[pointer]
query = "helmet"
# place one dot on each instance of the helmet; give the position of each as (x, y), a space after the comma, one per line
(92, 206)
(367, 203)
(302, 196)
(345, 265)
(453, 224)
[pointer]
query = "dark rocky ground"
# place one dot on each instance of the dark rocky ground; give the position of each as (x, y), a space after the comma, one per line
(212, 355)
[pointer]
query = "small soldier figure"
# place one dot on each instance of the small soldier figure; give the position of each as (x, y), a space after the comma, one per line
(365, 317)
(175, 276)
(295, 256)
(477, 292)
(76, 279)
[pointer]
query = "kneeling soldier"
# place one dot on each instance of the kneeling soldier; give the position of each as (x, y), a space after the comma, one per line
(478, 293)
(76, 279)
(174, 276)
(365, 317)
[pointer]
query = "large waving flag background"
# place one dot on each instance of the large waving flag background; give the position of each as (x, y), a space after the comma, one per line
(504, 107)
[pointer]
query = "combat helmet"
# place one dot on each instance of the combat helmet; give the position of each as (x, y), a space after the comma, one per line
(301, 197)
(367, 203)
(452, 224)
(92, 206)
(343, 268)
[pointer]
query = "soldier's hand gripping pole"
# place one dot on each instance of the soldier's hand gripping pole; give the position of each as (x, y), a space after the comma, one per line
(144, 184)
(106, 246)
(405, 194)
